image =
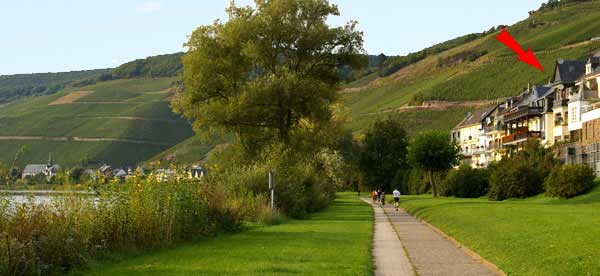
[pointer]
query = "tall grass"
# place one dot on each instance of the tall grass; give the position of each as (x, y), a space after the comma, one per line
(142, 214)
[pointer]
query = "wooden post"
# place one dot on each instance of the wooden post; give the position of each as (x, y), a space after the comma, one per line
(272, 189)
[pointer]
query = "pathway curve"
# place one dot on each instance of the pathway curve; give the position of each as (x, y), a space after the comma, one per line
(433, 254)
(388, 252)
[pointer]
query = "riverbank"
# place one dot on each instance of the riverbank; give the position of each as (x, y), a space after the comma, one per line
(336, 241)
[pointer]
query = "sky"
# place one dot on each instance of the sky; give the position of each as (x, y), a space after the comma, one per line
(66, 35)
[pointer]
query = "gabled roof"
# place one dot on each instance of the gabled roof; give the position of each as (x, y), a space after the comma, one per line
(34, 168)
(568, 71)
(476, 117)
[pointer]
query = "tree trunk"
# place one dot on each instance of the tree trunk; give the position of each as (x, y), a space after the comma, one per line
(432, 183)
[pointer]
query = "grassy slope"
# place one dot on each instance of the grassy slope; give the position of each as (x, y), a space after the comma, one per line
(536, 236)
(132, 98)
(333, 242)
(190, 150)
(494, 75)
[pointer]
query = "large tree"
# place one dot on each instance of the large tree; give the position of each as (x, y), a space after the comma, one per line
(433, 152)
(384, 152)
(268, 71)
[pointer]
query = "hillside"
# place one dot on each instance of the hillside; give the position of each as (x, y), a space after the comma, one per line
(121, 122)
(476, 69)
(13, 87)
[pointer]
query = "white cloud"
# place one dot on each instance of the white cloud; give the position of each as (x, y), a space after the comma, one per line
(148, 6)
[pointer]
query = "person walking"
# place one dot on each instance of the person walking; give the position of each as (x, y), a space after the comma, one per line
(382, 198)
(396, 199)
(374, 196)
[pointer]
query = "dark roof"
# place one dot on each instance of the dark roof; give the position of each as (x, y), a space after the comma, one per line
(537, 92)
(568, 71)
(476, 117)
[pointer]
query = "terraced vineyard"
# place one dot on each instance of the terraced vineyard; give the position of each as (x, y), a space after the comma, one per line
(120, 122)
(560, 33)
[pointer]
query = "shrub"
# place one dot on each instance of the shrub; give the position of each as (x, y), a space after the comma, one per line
(465, 182)
(570, 180)
(513, 179)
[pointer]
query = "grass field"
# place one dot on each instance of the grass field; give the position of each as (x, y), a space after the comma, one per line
(336, 241)
(536, 236)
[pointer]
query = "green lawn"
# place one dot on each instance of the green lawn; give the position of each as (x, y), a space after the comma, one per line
(336, 241)
(536, 236)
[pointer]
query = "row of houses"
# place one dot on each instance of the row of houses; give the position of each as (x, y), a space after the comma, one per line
(49, 170)
(563, 113)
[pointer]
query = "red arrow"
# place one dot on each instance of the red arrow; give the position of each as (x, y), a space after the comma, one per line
(527, 57)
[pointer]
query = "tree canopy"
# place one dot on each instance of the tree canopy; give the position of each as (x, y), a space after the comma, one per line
(268, 71)
(432, 152)
(384, 153)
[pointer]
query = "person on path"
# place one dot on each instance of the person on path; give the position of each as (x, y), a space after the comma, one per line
(382, 198)
(374, 196)
(396, 199)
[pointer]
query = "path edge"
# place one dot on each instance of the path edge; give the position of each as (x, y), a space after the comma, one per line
(373, 206)
(460, 245)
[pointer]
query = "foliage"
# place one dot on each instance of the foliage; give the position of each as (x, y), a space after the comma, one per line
(264, 74)
(305, 182)
(513, 179)
(432, 152)
(458, 58)
(569, 181)
(140, 214)
(542, 159)
(383, 153)
(465, 182)
(522, 174)
(151, 67)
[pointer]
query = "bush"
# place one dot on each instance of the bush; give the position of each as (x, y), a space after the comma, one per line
(465, 182)
(570, 180)
(513, 179)
(304, 182)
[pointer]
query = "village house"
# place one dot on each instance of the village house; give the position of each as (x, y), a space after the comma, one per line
(49, 169)
(470, 136)
(527, 116)
(494, 129)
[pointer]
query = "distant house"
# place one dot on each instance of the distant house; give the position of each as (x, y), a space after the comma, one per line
(197, 172)
(120, 174)
(105, 170)
(49, 169)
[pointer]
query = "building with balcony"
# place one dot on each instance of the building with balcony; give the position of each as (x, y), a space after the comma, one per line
(470, 135)
(528, 116)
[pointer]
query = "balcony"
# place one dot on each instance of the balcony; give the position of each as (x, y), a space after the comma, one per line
(522, 112)
(561, 102)
(560, 121)
(495, 128)
(520, 136)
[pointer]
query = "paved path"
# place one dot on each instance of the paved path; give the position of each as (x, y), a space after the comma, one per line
(430, 252)
(389, 255)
